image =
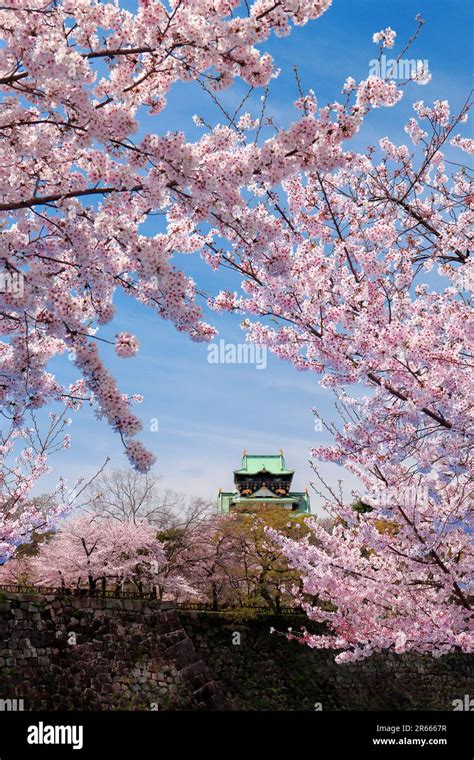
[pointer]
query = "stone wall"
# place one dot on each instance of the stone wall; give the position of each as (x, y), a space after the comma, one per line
(82, 653)
(268, 672)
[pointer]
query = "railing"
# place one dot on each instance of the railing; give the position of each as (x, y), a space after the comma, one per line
(64, 591)
(112, 594)
(259, 608)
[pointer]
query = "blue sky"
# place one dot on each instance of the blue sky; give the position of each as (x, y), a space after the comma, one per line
(207, 413)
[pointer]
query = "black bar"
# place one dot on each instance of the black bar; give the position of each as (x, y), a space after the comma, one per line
(138, 735)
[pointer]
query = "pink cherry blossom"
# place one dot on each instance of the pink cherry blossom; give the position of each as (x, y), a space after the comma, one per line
(91, 552)
(386, 38)
(126, 345)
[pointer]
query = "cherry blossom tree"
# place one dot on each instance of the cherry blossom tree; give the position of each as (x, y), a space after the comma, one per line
(355, 266)
(24, 454)
(201, 552)
(75, 188)
(17, 572)
(367, 282)
(231, 561)
(99, 554)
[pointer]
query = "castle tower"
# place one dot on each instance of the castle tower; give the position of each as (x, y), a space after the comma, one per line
(261, 482)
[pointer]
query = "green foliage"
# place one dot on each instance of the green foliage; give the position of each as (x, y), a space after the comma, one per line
(255, 571)
(32, 548)
(361, 507)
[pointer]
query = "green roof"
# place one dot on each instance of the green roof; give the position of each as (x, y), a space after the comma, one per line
(272, 463)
